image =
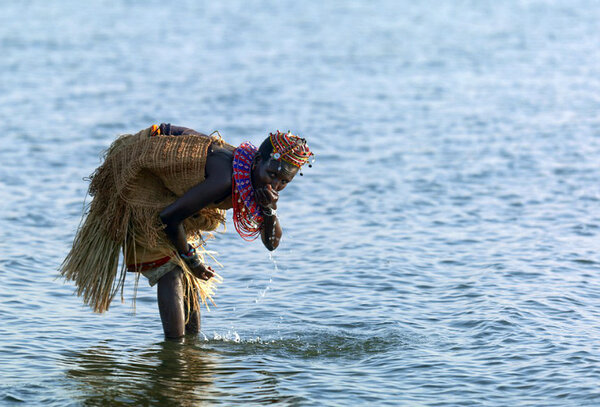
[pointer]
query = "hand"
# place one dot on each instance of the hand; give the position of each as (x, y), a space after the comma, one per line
(203, 272)
(267, 197)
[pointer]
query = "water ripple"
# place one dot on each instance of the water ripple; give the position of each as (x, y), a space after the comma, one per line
(441, 252)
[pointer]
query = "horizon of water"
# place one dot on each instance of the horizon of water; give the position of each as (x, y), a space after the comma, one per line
(442, 251)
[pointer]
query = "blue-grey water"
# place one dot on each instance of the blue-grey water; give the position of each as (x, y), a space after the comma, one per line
(443, 251)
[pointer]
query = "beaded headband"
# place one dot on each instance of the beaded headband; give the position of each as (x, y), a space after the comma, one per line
(290, 148)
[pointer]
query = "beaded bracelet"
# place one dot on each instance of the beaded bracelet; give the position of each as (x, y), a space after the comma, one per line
(190, 253)
(191, 258)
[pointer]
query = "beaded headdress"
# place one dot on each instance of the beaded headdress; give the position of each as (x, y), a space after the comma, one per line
(290, 148)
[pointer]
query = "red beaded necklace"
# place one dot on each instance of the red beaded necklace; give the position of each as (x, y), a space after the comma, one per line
(247, 217)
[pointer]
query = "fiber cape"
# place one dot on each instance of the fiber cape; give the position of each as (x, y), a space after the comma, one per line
(140, 176)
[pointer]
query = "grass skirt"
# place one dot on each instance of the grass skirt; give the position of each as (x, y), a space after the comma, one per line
(140, 176)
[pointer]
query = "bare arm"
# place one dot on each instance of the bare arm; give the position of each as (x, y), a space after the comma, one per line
(215, 187)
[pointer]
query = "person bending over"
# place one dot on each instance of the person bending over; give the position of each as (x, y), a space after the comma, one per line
(156, 197)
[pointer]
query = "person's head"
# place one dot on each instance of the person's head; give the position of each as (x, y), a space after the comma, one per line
(280, 157)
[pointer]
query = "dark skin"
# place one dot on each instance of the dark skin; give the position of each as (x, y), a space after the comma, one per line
(269, 177)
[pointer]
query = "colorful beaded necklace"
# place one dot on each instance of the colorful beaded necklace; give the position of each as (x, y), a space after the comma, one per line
(247, 217)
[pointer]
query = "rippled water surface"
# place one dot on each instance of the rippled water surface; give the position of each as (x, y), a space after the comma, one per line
(443, 251)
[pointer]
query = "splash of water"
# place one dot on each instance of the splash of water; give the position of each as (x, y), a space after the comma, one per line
(262, 293)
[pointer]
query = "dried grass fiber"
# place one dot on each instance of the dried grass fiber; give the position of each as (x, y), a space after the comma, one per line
(139, 177)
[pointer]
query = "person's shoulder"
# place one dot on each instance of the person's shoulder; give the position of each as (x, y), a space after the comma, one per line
(219, 161)
(223, 150)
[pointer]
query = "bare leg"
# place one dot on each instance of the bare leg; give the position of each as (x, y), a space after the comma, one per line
(171, 304)
(193, 325)
(172, 308)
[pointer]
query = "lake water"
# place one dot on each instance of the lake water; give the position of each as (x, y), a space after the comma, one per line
(442, 251)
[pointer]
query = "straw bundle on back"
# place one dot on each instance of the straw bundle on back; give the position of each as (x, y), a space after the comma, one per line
(140, 176)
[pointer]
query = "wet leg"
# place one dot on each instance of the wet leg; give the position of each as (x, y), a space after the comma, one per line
(171, 303)
(193, 325)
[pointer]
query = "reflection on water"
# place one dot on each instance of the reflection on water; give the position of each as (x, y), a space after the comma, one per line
(167, 373)
(186, 372)
(225, 369)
